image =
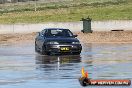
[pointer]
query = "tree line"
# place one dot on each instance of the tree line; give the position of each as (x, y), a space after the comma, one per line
(14, 1)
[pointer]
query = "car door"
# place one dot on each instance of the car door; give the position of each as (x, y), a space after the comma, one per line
(37, 40)
(41, 38)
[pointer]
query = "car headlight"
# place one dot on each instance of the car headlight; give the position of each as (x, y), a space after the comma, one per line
(75, 42)
(52, 43)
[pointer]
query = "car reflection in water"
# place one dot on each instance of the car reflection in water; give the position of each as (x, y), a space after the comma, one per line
(55, 62)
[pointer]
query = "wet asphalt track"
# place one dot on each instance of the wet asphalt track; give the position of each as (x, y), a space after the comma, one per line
(21, 67)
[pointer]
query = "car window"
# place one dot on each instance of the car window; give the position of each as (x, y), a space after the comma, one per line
(43, 31)
(70, 33)
(56, 31)
(59, 33)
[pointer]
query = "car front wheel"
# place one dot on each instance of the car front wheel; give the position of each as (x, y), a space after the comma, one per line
(43, 51)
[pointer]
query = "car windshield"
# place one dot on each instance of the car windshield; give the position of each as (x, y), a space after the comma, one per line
(58, 33)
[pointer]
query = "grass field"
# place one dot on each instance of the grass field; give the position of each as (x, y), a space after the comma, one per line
(66, 10)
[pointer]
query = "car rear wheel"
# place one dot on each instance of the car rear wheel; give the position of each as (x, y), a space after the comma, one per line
(36, 48)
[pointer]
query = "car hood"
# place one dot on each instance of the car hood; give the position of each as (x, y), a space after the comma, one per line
(62, 39)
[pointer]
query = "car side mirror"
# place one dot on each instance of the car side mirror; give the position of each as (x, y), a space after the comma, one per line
(42, 35)
(75, 35)
(82, 31)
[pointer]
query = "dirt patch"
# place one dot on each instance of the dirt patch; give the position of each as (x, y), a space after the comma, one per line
(95, 37)
(106, 37)
(17, 38)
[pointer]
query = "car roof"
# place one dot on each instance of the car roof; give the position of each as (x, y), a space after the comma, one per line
(56, 29)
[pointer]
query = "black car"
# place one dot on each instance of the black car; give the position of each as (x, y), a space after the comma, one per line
(57, 41)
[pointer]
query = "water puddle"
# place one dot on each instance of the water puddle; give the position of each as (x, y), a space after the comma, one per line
(21, 67)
